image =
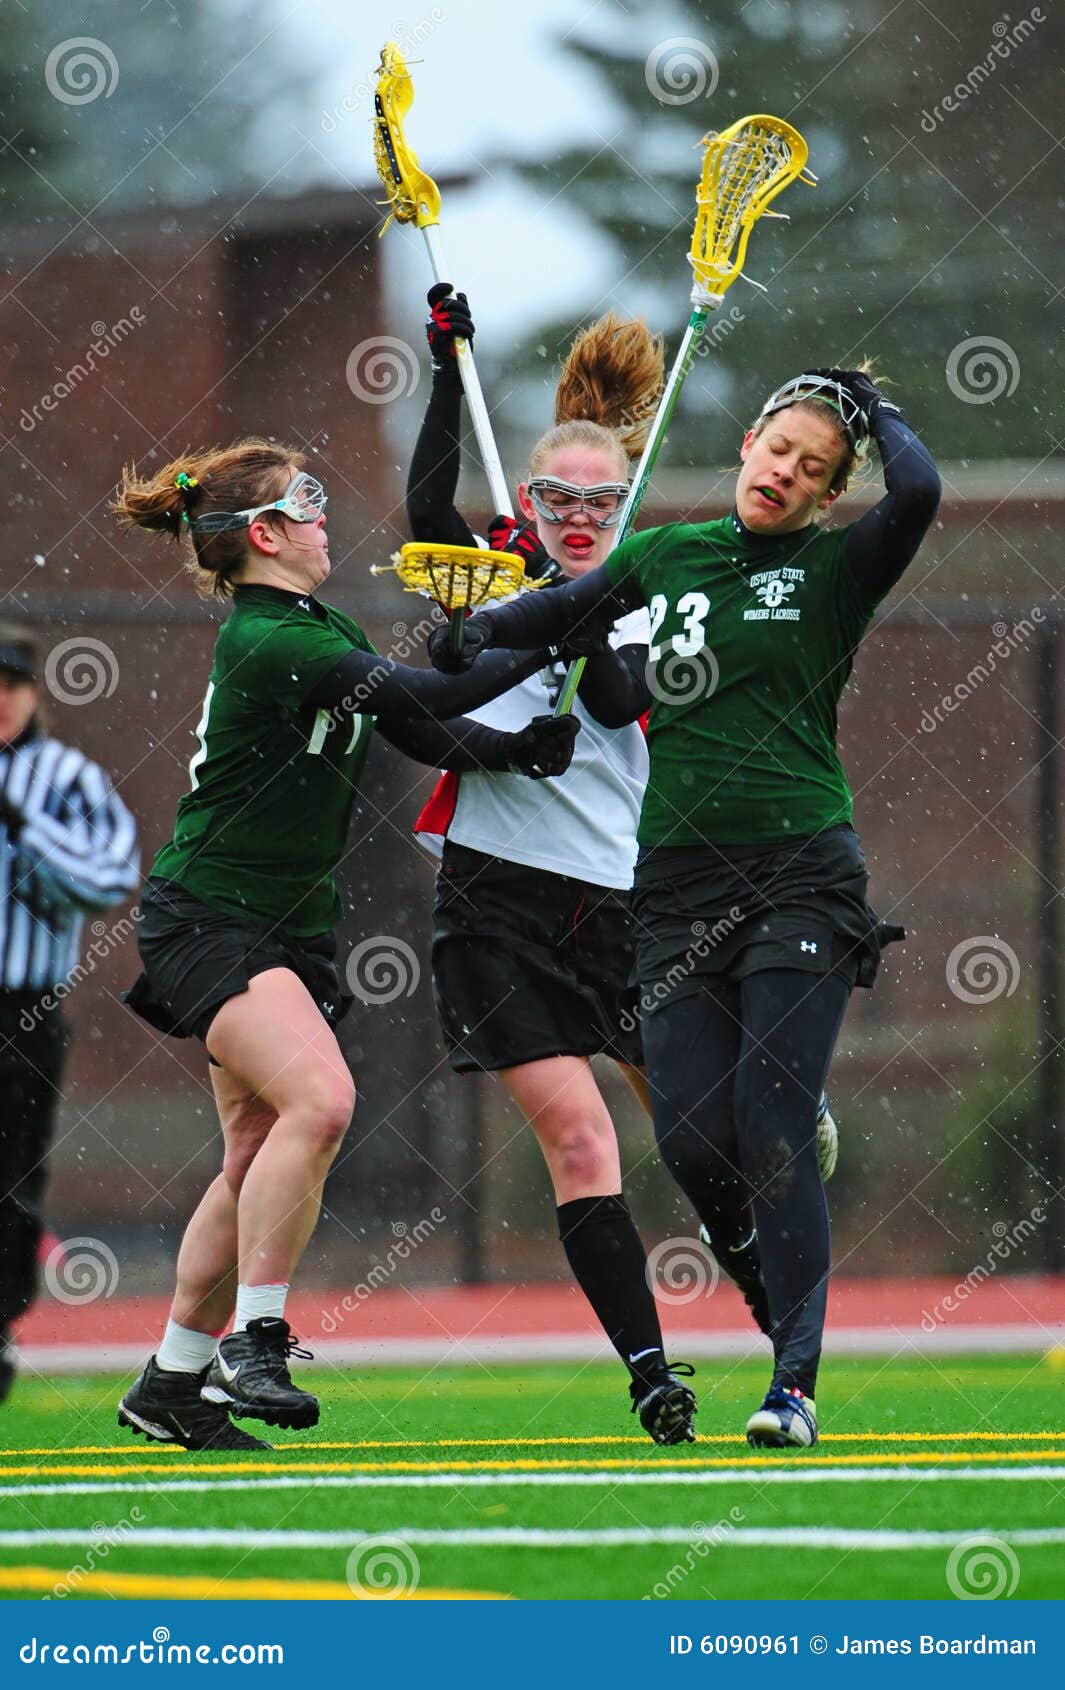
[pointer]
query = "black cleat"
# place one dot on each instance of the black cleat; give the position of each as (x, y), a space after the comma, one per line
(666, 1405)
(7, 1360)
(168, 1408)
(249, 1376)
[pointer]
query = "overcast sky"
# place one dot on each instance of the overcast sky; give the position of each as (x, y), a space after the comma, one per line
(482, 69)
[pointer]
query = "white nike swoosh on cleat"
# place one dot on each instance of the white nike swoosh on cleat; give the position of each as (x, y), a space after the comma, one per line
(228, 1373)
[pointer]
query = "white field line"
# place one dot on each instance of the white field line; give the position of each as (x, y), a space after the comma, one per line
(530, 1537)
(563, 1346)
(468, 1481)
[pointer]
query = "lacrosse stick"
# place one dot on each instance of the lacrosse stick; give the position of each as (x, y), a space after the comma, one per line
(744, 168)
(458, 577)
(415, 198)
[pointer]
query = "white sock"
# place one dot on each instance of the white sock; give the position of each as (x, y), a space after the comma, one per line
(259, 1302)
(183, 1350)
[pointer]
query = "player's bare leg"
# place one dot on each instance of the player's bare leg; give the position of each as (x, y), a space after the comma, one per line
(562, 1103)
(278, 1052)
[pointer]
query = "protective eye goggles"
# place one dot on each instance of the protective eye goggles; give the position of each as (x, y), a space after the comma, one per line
(303, 500)
(827, 392)
(556, 501)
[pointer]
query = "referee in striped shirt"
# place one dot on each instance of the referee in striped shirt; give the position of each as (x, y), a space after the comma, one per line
(68, 846)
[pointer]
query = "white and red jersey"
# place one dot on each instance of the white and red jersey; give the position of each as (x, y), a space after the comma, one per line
(582, 823)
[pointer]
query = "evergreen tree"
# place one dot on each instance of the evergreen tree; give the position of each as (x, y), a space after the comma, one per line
(915, 240)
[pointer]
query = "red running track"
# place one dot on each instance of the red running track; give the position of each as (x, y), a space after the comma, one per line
(500, 1323)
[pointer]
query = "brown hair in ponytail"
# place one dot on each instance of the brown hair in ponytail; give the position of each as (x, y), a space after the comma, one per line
(607, 392)
(227, 478)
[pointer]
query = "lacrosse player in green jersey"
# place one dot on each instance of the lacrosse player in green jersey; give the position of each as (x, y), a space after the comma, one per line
(236, 922)
(750, 890)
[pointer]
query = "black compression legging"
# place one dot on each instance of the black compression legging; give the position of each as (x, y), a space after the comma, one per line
(735, 1075)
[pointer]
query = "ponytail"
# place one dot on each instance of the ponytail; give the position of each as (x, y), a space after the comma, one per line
(230, 478)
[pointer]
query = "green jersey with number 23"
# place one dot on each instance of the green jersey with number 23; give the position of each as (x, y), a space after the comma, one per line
(752, 641)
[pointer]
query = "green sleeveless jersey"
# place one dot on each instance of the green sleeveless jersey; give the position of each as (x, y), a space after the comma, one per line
(273, 783)
(752, 640)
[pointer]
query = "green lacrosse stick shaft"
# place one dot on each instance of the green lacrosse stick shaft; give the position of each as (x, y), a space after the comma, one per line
(689, 346)
(456, 633)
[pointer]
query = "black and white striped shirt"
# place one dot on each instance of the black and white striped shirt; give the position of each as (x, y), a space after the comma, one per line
(73, 852)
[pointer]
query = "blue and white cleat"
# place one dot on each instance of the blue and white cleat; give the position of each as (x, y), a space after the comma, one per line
(786, 1420)
(827, 1139)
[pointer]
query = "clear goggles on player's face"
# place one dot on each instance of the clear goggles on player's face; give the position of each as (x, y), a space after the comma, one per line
(557, 501)
(829, 392)
(303, 500)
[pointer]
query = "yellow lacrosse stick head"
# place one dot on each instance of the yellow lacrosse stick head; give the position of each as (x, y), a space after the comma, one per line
(412, 195)
(744, 168)
(458, 577)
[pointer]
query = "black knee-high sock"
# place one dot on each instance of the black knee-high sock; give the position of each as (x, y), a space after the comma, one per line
(609, 1264)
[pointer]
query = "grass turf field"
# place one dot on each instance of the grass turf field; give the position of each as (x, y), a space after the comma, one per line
(531, 1482)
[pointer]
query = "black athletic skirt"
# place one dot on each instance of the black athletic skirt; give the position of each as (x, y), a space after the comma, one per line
(528, 965)
(709, 912)
(197, 957)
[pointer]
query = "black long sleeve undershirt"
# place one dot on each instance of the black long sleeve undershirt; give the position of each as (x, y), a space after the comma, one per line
(457, 744)
(364, 683)
(884, 542)
(434, 469)
(614, 686)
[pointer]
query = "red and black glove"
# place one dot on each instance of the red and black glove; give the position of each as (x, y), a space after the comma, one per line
(449, 316)
(506, 534)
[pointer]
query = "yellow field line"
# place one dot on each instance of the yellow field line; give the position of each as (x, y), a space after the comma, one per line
(526, 1465)
(205, 1589)
(135, 1450)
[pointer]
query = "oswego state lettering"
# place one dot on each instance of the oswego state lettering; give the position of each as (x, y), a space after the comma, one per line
(774, 587)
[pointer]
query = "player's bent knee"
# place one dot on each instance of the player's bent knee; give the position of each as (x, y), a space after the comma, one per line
(580, 1153)
(326, 1116)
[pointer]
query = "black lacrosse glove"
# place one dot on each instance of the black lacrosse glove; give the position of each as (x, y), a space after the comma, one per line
(585, 641)
(449, 315)
(591, 638)
(543, 748)
(864, 392)
(476, 638)
(506, 534)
